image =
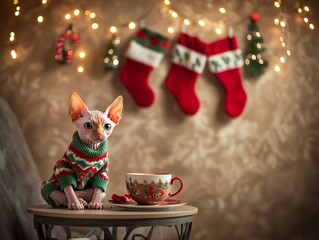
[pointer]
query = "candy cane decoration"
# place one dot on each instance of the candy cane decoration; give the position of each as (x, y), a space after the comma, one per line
(64, 55)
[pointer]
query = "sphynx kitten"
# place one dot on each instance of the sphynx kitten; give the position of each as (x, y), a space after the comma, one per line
(80, 177)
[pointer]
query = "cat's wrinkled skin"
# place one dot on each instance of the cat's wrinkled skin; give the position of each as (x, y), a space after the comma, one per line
(93, 128)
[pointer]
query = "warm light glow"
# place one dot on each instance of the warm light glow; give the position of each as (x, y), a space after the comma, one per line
(282, 60)
(44, 2)
(281, 39)
(277, 68)
(95, 26)
(92, 15)
(15, 2)
(76, 12)
(258, 34)
(282, 24)
(14, 54)
(67, 16)
(249, 37)
(17, 13)
(167, 2)
(276, 21)
(174, 14)
(187, 22)
(288, 52)
(82, 54)
(201, 23)
(300, 10)
(218, 31)
(306, 8)
(113, 29)
(40, 19)
(277, 4)
(110, 51)
(253, 57)
(306, 20)
(87, 12)
(283, 44)
(80, 69)
(170, 30)
(222, 10)
(131, 25)
(261, 61)
(117, 41)
(12, 34)
(258, 45)
(311, 26)
(247, 61)
(116, 62)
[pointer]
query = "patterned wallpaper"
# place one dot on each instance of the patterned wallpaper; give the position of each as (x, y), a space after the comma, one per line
(253, 177)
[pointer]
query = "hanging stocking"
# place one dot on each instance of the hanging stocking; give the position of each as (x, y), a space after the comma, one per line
(64, 50)
(225, 59)
(145, 53)
(188, 62)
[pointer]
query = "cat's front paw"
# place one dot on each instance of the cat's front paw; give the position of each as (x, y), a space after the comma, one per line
(95, 205)
(83, 202)
(76, 206)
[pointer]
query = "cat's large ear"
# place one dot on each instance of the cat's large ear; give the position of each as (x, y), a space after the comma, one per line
(114, 111)
(76, 106)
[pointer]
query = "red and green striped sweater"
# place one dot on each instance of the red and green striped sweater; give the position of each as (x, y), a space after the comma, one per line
(81, 167)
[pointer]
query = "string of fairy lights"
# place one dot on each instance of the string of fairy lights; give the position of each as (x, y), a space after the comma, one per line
(12, 37)
(281, 21)
(217, 27)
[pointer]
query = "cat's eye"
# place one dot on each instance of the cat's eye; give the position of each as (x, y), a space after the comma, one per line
(88, 125)
(107, 126)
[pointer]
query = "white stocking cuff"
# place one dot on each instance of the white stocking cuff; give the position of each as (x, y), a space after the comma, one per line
(189, 58)
(226, 61)
(144, 55)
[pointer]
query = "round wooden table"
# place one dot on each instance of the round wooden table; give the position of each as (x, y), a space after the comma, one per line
(45, 218)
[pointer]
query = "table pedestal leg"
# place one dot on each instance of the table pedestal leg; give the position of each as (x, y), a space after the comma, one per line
(38, 228)
(184, 232)
(108, 235)
(48, 230)
(129, 230)
(148, 237)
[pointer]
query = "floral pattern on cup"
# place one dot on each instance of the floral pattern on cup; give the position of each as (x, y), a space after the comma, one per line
(150, 190)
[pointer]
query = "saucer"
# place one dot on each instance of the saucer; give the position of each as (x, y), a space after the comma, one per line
(167, 204)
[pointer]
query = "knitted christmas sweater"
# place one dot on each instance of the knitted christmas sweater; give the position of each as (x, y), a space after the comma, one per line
(81, 167)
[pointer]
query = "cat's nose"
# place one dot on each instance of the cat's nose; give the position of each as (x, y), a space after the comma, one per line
(99, 132)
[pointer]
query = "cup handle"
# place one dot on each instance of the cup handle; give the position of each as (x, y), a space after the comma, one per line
(180, 187)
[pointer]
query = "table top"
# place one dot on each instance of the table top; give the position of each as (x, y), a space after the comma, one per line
(111, 212)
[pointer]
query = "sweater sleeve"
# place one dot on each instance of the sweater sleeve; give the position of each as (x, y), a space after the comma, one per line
(64, 173)
(101, 178)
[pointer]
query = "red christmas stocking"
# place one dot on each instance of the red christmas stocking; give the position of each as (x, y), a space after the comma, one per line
(188, 62)
(225, 59)
(145, 53)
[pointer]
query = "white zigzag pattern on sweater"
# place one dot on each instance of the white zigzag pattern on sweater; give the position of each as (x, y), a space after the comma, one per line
(70, 154)
(62, 169)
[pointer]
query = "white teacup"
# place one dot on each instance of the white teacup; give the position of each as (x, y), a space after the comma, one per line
(151, 188)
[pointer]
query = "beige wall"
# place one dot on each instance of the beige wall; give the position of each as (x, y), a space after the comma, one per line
(254, 177)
